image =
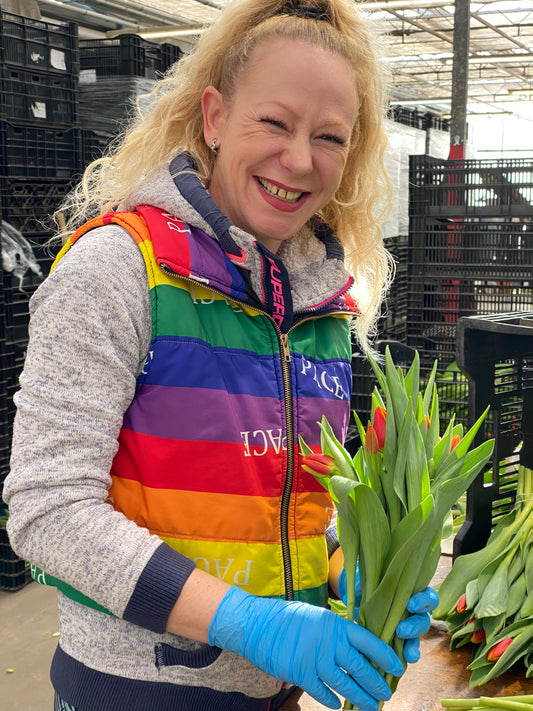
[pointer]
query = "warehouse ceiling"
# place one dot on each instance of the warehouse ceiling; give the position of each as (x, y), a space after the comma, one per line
(420, 34)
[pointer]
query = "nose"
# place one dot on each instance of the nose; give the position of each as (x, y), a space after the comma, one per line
(297, 155)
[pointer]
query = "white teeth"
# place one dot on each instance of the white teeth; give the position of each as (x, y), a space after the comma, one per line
(285, 195)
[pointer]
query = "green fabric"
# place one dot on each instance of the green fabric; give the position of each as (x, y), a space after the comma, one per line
(45, 579)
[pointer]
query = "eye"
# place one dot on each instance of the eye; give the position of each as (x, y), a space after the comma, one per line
(331, 138)
(273, 122)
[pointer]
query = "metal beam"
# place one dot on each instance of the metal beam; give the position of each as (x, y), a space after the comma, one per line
(461, 48)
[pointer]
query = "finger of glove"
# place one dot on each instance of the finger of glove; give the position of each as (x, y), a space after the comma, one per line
(424, 601)
(351, 690)
(413, 626)
(411, 650)
(368, 644)
(321, 693)
(364, 686)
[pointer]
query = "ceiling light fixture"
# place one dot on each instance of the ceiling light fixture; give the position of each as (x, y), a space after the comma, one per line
(521, 92)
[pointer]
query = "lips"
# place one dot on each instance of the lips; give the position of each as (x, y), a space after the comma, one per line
(288, 196)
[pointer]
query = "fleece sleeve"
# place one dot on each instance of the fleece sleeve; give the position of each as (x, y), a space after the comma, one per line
(89, 336)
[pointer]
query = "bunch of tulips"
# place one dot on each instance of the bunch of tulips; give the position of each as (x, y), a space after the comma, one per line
(394, 497)
(487, 598)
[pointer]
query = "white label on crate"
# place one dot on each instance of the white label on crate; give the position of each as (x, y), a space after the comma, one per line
(38, 109)
(37, 58)
(57, 59)
(87, 76)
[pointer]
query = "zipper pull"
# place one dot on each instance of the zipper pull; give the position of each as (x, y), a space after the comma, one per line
(285, 352)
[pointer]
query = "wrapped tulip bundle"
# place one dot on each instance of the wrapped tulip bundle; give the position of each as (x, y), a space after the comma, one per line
(395, 496)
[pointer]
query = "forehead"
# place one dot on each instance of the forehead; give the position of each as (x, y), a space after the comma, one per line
(283, 67)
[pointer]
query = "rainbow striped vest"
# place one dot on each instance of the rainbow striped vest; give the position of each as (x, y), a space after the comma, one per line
(208, 454)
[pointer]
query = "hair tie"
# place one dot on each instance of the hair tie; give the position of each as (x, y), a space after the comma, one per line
(308, 12)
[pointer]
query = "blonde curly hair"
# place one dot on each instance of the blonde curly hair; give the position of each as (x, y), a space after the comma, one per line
(171, 120)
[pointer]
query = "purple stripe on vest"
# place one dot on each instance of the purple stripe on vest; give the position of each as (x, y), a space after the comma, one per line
(179, 412)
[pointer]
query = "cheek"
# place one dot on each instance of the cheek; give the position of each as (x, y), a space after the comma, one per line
(333, 175)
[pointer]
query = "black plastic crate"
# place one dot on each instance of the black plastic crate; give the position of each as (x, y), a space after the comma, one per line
(435, 304)
(14, 572)
(93, 145)
(392, 324)
(28, 204)
(170, 54)
(108, 104)
(462, 188)
(471, 247)
(496, 354)
(127, 55)
(407, 116)
(34, 44)
(15, 306)
(20, 277)
(39, 152)
(38, 97)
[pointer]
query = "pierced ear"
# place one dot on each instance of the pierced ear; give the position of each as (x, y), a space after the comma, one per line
(213, 112)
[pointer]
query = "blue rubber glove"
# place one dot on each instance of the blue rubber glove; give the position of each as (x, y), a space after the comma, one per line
(418, 623)
(410, 629)
(308, 646)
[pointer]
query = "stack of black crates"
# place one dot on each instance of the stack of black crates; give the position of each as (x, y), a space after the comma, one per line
(113, 73)
(41, 149)
(470, 247)
(40, 154)
(469, 254)
(496, 353)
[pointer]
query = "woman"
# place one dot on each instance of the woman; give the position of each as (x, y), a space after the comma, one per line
(179, 348)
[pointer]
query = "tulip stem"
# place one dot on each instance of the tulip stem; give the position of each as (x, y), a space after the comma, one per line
(505, 703)
(486, 703)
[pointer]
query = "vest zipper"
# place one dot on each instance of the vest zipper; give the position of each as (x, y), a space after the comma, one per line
(285, 356)
(285, 353)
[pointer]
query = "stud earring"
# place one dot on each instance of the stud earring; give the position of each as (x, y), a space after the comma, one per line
(213, 146)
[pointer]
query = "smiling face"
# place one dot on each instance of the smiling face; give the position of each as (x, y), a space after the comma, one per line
(283, 137)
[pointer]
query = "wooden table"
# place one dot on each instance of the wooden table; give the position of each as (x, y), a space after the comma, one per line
(438, 674)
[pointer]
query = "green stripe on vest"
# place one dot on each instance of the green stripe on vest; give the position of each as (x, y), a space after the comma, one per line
(44, 579)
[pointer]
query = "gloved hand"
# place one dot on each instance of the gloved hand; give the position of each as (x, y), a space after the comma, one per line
(418, 623)
(410, 629)
(309, 646)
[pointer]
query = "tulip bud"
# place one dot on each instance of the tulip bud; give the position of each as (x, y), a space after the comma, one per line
(496, 652)
(428, 421)
(461, 605)
(371, 440)
(455, 441)
(320, 464)
(477, 636)
(380, 426)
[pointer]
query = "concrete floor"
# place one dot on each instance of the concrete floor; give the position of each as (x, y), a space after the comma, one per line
(29, 635)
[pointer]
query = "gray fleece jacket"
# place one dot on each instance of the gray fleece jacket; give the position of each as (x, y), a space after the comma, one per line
(89, 335)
